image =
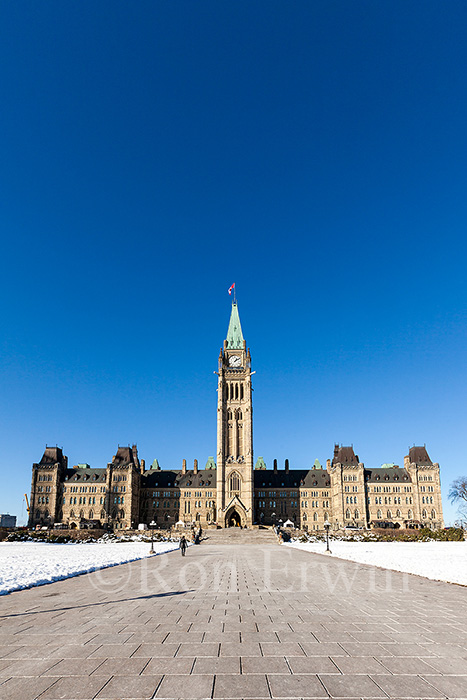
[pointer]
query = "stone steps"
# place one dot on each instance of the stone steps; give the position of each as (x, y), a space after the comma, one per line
(235, 535)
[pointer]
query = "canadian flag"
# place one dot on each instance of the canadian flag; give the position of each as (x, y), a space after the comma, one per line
(230, 288)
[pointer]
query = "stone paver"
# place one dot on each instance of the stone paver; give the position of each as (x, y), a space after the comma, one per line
(254, 621)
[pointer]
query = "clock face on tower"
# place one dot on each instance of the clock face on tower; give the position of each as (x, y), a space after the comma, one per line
(235, 361)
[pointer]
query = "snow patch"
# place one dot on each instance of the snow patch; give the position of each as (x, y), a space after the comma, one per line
(27, 564)
(440, 561)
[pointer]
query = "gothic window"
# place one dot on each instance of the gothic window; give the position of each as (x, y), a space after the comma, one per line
(234, 482)
(433, 514)
(81, 514)
(398, 513)
(379, 515)
(91, 515)
(356, 514)
(389, 515)
(240, 438)
(315, 517)
(326, 516)
(410, 515)
(424, 514)
(304, 516)
(122, 513)
(241, 391)
(347, 514)
(102, 515)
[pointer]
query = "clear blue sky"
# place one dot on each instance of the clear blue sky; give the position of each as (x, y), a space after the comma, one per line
(154, 152)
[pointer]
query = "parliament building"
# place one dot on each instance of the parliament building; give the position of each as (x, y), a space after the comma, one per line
(232, 490)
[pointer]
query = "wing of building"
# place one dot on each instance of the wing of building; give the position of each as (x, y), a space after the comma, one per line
(232, 490)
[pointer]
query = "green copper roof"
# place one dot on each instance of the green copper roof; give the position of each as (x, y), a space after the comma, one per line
(234, 334)
(260, 463)
(210, 464)
(155, 465)
(316, 464)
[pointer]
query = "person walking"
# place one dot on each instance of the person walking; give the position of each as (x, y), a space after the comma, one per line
(183, 545)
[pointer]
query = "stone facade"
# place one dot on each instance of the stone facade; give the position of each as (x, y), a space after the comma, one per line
(231, 491)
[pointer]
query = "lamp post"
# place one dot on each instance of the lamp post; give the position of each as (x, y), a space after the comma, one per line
(327, 526)
(152, 525)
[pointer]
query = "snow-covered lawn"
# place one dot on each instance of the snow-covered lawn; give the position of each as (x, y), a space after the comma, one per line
(26, 564)
(440, 561)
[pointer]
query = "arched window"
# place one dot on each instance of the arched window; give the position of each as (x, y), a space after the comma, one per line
(356, 515)
(389, 515)
(424, 514)
(410, 515)
(234, 482)
(433, 514)
(304, 516)
(122, 513)
(347, 514)
(326, 516)
(239, 415)
(72, 513)
(315, 517)
(102, 514)
(379, 515)
(81, 514)
(398, 513)
(241, 392)
(91, 515)
(198, 517)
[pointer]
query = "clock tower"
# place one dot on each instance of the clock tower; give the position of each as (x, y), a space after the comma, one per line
(234, 429)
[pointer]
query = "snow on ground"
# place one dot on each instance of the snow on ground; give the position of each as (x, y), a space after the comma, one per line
(26, 564)
(440, 561)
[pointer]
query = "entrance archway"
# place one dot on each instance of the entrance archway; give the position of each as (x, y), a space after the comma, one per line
(234, 519)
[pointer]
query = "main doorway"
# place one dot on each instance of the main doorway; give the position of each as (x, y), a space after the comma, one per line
(234, 520)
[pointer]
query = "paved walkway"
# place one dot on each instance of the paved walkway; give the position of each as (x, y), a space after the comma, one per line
(235, 621)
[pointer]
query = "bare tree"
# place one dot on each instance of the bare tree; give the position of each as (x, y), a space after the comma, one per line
(458, 490)
(458, 494)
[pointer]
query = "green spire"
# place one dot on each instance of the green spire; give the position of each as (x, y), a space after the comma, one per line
(234, 334)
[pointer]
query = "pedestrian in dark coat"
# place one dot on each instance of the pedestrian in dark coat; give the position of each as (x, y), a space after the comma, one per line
(183, 545)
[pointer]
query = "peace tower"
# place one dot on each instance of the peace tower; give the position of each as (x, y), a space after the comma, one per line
(234, 429)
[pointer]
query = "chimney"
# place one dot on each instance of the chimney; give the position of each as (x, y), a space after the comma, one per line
(195, 466)
(143, 464)
(328, 464)
(184, 466)
(286, 466)
(275, 466)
